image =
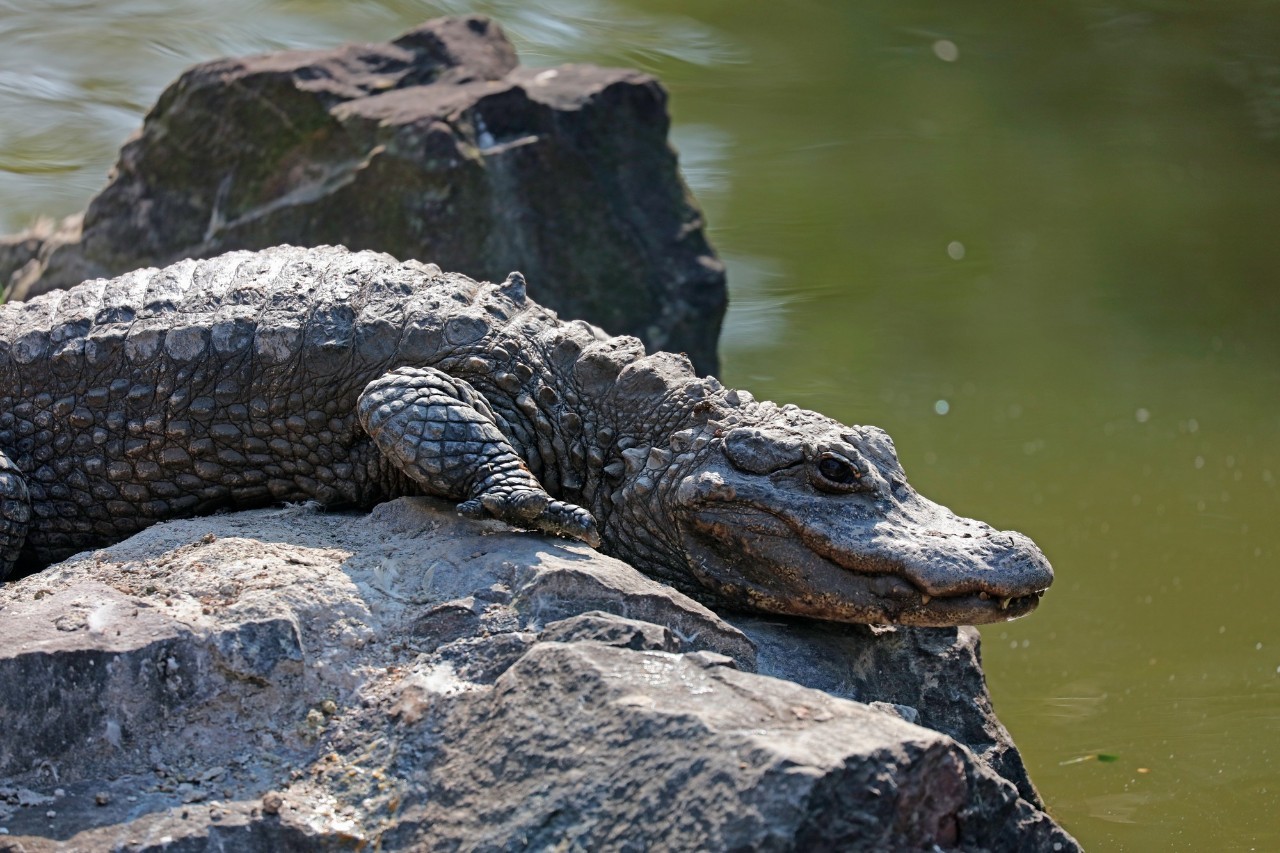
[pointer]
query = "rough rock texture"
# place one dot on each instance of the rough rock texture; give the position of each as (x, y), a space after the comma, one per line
(283, 680)
(933, 673)
(435, 146)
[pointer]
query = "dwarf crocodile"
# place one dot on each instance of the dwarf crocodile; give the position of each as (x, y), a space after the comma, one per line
(350, 378)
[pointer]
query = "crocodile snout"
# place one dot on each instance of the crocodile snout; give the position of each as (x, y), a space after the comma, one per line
(943, 554)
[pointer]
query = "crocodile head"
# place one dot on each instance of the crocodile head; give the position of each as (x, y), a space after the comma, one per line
(791, 512)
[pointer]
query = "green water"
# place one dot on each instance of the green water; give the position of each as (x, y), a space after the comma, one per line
(1059, 226)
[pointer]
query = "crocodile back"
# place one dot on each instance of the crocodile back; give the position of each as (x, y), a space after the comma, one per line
(223, 382)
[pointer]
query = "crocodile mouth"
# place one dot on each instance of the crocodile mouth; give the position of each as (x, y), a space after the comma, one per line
(753, 559)
(967, 609)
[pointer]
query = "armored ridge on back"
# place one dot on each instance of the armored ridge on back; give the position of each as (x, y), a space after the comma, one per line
(350, 378)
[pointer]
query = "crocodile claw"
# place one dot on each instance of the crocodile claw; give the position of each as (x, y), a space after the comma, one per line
(535, 511)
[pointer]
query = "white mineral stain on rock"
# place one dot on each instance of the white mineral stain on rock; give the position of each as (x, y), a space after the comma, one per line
(101, 617)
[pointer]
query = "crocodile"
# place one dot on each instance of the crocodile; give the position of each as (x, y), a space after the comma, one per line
(350, 378)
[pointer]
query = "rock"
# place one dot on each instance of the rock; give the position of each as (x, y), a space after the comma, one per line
(23, 257)
(435, 146)
(289, 680)
(612, 631)
(932, 676)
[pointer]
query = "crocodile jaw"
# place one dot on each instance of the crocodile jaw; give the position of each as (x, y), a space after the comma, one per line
(902, 561)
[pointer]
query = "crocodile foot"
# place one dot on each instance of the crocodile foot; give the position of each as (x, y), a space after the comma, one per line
(535, 510)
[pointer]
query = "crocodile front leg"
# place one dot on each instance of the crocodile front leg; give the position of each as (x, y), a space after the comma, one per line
(15, 514)
(442, 433)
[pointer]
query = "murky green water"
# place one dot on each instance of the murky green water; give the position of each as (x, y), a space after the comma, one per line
(1039, 245)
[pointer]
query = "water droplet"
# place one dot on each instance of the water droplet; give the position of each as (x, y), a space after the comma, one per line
(956, 250)
(1199, 462)
(942, 407)
(946, 50)
(1142, 416)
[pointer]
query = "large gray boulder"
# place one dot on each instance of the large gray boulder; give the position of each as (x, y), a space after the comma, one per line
(288, 680)
(435, 146)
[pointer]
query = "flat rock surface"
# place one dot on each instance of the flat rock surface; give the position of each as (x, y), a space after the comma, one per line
(436, 146)
(294, 680)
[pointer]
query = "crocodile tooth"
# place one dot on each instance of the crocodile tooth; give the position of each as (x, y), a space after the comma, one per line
(925, 599)
(1004, 603)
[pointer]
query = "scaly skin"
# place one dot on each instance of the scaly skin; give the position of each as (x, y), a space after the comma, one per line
(349, 378)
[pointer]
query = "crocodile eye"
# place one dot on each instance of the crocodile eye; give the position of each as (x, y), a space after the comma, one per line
(836, 474)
